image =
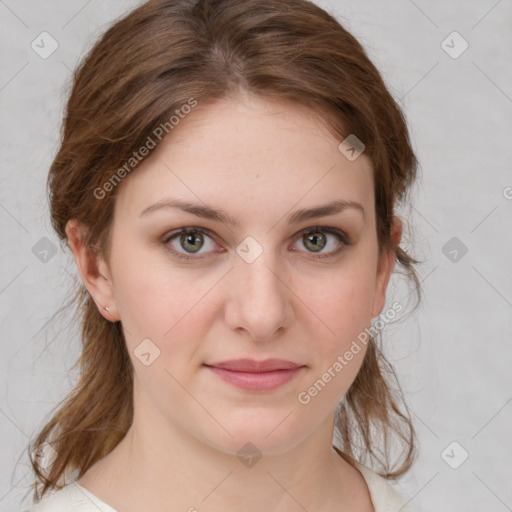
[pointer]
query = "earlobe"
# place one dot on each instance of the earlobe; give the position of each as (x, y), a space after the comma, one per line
(93, 270)
(385, 267)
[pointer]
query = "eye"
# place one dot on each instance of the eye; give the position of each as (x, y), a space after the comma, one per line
(317, 238)
(191, 240)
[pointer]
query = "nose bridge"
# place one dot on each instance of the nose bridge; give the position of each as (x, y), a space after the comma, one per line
(262, 299)
(262, 279)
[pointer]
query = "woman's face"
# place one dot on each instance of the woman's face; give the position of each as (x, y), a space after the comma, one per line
(277, 283)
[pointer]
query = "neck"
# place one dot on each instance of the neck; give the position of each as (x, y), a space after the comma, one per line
(158, 466)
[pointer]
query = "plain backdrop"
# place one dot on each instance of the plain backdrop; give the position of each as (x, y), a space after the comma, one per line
(452, 356)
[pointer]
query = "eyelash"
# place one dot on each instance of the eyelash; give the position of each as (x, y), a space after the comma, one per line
(341, 235)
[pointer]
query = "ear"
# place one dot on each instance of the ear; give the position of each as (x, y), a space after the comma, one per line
(385, 267)
(93, 270)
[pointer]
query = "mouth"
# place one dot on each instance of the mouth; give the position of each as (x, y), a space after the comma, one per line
(255, 375)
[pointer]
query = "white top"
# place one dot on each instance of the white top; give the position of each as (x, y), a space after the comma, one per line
(75, 498)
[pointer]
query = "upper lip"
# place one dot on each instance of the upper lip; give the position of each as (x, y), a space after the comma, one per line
(251, 365)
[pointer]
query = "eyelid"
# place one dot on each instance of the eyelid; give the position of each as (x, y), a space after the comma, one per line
(188, 229)
(328, 229)
(342, 235)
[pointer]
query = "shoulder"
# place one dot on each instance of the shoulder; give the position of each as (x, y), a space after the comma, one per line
(385, 498)
(71, 498)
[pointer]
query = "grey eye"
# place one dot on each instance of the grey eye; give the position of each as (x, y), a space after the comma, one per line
(194, 240)
(315, 241)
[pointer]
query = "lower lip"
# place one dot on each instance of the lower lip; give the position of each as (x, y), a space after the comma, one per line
(262, 381)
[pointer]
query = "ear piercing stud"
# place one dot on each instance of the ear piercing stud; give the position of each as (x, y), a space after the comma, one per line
(107, 308)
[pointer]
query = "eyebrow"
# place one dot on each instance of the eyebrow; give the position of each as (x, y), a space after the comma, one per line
(297, 217)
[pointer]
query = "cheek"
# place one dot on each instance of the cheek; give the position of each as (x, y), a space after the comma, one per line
(342, 301)
(159, 301)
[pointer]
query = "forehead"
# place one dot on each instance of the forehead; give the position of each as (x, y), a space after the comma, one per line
(249, 151)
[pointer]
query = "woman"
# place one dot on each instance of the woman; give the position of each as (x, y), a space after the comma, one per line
(227, 182)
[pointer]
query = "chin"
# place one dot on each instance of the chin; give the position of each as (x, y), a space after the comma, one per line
(262, 439)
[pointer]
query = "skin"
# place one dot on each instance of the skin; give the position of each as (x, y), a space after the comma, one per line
(259, 160)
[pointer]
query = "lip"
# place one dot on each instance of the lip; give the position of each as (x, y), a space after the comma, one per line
(253, 375)
(251, 365)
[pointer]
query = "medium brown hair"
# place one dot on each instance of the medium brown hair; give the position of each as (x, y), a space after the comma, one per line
(145, 67)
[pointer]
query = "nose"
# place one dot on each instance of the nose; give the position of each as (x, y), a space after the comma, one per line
(260, 298)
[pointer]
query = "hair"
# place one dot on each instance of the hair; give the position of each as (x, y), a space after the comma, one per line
(139, 73)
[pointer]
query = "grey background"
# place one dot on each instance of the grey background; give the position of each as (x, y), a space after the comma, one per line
(452, 356)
